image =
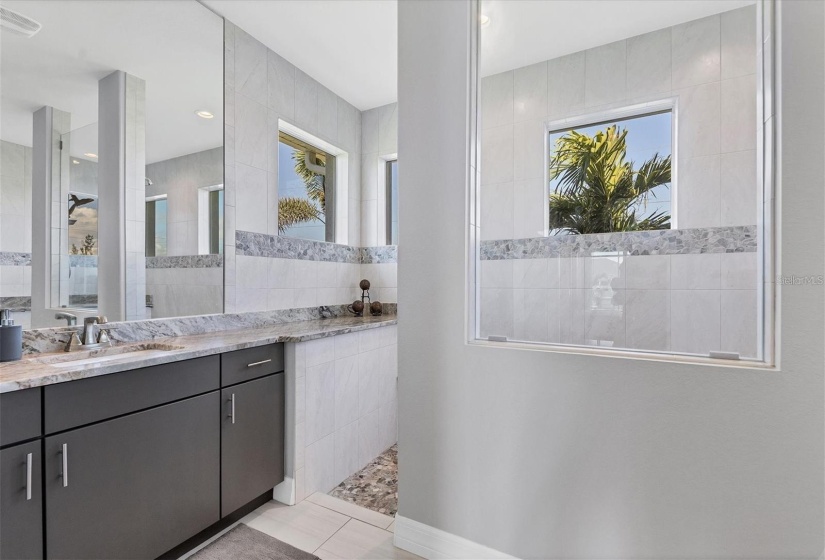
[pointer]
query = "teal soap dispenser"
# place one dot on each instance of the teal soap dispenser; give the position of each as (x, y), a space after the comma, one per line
(11, 338)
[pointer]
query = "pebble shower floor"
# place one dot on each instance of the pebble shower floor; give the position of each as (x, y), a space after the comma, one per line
(375, 486)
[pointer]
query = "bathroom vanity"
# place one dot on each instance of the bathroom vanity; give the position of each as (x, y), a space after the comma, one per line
(129, 455)
(134, 463)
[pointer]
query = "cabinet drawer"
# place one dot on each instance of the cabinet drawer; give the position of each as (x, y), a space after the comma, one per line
(68, 405)
(19, 415)
(251, 363)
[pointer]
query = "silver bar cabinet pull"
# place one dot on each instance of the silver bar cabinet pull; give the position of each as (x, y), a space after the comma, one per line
(64, 472)
(253, 364)
(29, 476)
(232, 408)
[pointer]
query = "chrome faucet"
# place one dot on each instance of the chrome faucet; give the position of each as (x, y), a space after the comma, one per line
(90, 335)
(91, 338)
(71, 320)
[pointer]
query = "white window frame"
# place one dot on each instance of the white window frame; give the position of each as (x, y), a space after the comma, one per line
(340, 183)
(385, 198)
(767, 114)
(609, 116)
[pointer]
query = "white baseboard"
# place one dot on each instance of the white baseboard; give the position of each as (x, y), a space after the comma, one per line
(435, 544)
(285, 492)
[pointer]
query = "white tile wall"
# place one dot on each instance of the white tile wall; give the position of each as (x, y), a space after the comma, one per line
(263, 88)
(709, 65)
(345, 405)
(379, 141)
(680, 303)
(182, 292)
(15, 217)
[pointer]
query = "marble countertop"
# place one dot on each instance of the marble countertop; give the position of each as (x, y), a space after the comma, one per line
(36, 371)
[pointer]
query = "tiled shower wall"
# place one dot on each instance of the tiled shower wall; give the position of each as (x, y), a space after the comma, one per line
(346, 405)
(709, 65)
(691, 303)
(681, 298)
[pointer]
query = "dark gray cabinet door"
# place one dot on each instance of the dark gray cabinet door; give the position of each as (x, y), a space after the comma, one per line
(252, 440)
(136, 486)
(21, 502)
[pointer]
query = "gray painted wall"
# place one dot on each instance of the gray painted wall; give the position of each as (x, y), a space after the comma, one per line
(552, 455)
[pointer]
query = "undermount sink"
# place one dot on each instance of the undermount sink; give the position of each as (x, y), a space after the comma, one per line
(98, 355)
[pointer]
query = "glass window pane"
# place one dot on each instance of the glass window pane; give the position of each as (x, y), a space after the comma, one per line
(392, 179)
(636, 148)
(304, 187)
(612, 212)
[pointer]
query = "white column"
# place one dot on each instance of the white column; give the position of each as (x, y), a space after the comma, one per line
(49, 213)
(121, 179)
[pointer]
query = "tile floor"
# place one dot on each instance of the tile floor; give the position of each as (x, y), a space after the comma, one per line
(375, 486)
(330, 528)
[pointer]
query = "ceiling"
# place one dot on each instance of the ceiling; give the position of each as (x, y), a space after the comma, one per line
(349, 46)
(175, 46)
(523, 32)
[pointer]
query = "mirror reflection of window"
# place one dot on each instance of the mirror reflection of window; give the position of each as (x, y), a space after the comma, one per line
(156, 237)
(82, 224)
(392, 202)
(210, 220)
(305, 190)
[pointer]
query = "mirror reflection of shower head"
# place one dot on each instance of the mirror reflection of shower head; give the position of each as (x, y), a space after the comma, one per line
(149, 182)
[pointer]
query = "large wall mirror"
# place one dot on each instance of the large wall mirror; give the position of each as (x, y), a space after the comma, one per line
(111, 179)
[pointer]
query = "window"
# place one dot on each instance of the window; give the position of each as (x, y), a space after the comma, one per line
(210, 220)
(82, 224)
(609, 230)
(156, 211)
(392, 202)
(306, 179)
(625, 187)
(216, 222)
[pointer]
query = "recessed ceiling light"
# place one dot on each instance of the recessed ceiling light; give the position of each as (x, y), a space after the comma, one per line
(484, 20)
(74, 161)
(204, 114)
(90, 154)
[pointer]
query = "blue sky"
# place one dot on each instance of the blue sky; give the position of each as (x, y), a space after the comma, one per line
(290, 184)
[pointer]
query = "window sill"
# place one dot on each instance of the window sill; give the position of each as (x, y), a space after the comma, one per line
(651, 356)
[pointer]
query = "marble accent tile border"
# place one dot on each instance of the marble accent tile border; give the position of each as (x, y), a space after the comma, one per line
(16, 303)
(83, 261)
(82, 299)
(732, 239)
(379, 255)
(278, 247)
(185, 261)
(38, 341)
(11, 258)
